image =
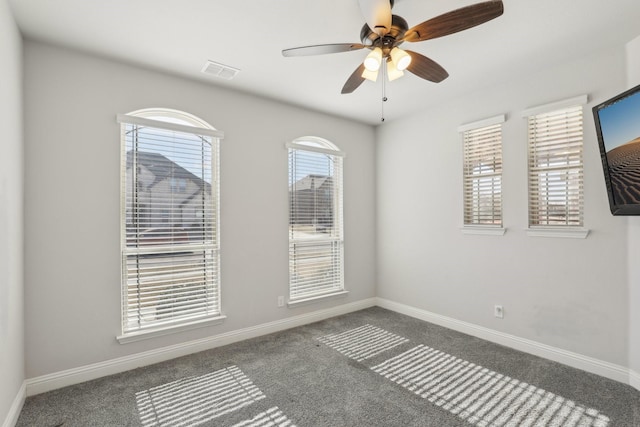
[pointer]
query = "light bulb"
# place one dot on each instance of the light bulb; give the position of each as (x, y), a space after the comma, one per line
(401, 58)
(373, 60)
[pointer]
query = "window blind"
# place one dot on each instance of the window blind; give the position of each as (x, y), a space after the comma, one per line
(315, 222)
(556, 168)
(170, 253)
(482, 175)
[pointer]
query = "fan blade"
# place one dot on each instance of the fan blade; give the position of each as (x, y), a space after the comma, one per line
(322, 49)
(354, 81)
(377, 14)
(454, 21)
(426, 68)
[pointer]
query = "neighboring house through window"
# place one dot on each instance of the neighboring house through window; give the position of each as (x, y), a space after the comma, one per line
(169, 221)
(482, 172)
(315, 220)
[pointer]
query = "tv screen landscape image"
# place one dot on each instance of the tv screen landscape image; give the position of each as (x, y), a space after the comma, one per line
(618, 126)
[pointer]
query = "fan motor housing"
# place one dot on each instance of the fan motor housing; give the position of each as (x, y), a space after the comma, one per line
(387, 42)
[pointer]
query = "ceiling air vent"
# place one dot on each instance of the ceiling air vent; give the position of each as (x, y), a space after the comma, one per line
(219, 70)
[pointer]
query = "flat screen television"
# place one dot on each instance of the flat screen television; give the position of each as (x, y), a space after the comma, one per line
(618, 126)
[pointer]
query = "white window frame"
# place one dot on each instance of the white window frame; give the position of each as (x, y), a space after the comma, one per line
(482, 173)
(174, 124)
(556, 130)
(314, 287)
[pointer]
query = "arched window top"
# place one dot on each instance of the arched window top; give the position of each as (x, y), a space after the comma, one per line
(168, 119)
(314, 143)
(172, 116)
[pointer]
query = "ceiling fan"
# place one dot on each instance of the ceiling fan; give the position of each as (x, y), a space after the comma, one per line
(383, 33)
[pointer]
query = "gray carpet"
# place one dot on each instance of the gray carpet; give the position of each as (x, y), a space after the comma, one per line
(369, 368)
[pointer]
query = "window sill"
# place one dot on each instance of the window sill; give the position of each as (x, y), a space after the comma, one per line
(166, 330)
(311, 300)
(486, 230)
(564, 233)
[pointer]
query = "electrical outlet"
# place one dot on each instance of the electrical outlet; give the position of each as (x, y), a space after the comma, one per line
(498, 311)
(280, 301)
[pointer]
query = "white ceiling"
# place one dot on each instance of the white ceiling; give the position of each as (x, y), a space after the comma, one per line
(179, 36)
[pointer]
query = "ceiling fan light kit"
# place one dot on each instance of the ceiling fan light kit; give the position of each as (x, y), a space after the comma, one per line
(396, 62)
(384, 32)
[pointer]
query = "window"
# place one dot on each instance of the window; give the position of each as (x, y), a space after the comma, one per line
(178, 185)
(555, 165)
(482, 172)
(169, 222)
(315, 220)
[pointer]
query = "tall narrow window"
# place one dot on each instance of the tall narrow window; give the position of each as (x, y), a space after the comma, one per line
(555, 165)
(169, 217)
(482, 172)
(315, 220)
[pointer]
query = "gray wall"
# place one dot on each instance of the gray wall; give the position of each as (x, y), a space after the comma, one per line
(567, 293)
(633, 76)
(72, 202)
(12, 372)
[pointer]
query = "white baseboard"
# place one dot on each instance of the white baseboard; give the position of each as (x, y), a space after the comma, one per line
(634, 380)
(575, 360)
(89, 372)
(57, 380)
(16, 407)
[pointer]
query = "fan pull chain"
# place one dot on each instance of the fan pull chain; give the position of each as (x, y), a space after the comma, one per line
(384, 90)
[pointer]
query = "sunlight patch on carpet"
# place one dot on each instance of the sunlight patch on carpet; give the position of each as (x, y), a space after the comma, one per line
(362, 343)
(194, 400)
(481, 396)
(270, 417)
